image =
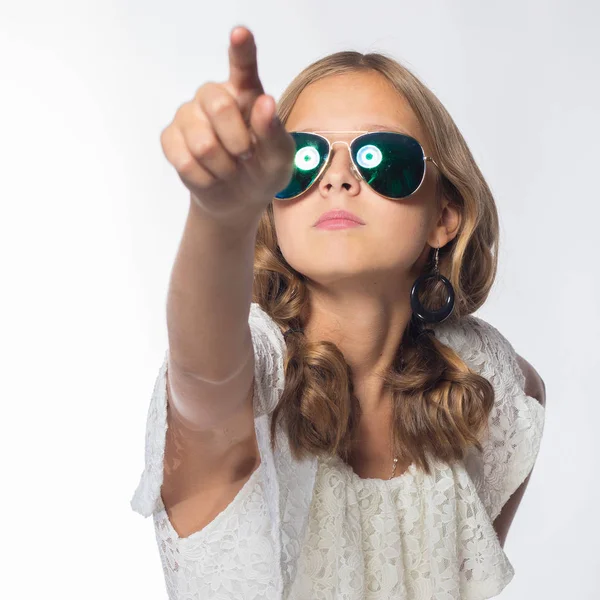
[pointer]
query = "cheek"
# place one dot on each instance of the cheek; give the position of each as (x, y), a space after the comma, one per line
(280, 222)
(406, 224)
(398, 236)
(290, 227)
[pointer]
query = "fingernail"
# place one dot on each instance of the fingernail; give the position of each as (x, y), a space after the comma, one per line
(246, 155)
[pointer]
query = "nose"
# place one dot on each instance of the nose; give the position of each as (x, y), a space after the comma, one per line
(340, 172)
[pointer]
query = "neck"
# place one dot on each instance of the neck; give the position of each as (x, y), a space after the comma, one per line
(369, 338)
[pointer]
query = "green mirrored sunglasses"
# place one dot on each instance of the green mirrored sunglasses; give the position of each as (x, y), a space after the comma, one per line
(392, 164)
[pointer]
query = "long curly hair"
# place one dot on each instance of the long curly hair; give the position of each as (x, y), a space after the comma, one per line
(440, 406)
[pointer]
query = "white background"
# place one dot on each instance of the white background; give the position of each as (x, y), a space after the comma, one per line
(92, 214)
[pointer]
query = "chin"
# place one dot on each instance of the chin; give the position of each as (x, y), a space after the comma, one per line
(329, 273)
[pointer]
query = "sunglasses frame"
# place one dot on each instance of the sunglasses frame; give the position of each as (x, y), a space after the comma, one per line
(354, 168)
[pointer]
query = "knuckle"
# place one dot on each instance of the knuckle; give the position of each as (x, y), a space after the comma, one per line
(185, 164)
(191, 173)
(203, 145)
(222, 104)
(181, 112)
(206, 88)
(171, 146)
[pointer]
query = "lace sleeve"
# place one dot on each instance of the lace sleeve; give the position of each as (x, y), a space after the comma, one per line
(516, 421)
(269, 352)
(269, 347)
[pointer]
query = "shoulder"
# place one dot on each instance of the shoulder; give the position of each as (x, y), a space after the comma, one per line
(488, 351)
(534, 384)
(475, 340)
(505, 355)
(475, 337)
(475, 332)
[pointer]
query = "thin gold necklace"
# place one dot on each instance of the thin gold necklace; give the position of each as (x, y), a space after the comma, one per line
(395, 459)
(392, 446)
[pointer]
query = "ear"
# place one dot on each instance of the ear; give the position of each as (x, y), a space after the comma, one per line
(447, 225)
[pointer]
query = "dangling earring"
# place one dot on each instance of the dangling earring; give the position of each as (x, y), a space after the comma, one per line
(422, 313)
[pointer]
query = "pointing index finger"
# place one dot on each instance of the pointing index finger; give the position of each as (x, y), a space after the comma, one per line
(243, 66)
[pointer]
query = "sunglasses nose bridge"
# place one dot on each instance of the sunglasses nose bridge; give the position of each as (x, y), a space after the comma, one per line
(352, 165)
(331, 145)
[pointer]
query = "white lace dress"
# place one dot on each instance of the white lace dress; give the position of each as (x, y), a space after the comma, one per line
(313, 529)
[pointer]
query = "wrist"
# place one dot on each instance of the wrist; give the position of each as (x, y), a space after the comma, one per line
(236, 224)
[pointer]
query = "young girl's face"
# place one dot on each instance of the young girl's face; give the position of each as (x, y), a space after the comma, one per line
(395, 240)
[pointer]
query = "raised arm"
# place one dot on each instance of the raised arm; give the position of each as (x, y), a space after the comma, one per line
(210, 291)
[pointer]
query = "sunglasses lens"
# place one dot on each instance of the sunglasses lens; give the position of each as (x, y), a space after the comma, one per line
(311, 154)
(392, 163)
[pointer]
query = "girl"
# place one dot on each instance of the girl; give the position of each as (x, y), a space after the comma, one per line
(330, 419)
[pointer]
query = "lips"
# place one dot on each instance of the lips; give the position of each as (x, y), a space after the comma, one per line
(338, 214)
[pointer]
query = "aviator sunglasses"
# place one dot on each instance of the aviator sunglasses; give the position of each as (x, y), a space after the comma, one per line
(392, 164)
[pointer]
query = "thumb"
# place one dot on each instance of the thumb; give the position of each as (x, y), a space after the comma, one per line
(274, 144)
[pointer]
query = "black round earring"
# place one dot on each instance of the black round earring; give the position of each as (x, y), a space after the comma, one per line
(422, 313)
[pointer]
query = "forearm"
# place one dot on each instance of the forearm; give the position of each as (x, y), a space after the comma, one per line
(209, 296)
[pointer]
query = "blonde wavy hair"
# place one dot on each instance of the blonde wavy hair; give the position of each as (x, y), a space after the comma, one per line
(440, 406)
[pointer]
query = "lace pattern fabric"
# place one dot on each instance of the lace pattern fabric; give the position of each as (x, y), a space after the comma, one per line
(516, 421)
(313, 528)
(231, 557)
(415, 536)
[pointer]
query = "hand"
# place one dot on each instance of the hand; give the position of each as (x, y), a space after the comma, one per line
(210, 136)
